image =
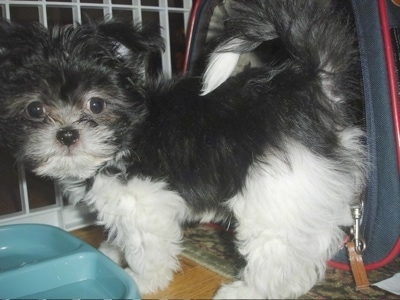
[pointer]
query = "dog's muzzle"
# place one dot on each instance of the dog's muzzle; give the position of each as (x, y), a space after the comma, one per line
(67, 136)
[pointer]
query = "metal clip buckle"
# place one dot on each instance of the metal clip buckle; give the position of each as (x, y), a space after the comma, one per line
(358, 238)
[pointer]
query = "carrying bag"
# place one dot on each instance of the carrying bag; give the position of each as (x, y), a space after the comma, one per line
(378, 24)
(378, 31)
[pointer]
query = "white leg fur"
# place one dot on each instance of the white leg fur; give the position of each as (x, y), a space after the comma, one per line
(288, 222)
(143, 218)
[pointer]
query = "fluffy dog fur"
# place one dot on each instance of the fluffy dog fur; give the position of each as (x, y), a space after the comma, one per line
(276, 147)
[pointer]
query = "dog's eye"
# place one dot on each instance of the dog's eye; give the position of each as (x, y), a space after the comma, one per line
(36, 110)
(96, 105)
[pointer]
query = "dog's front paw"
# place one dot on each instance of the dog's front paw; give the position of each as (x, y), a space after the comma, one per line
(148, 285)
(237, 290)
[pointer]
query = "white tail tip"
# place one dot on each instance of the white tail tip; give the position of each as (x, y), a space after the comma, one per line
(219, 69)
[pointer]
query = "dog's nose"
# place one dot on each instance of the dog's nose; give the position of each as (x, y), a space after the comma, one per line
(67, 136)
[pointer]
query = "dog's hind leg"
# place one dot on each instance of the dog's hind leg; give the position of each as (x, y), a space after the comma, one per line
(143, 218)
(288, 216)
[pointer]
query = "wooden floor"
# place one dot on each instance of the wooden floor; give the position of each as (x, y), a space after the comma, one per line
(192, 281)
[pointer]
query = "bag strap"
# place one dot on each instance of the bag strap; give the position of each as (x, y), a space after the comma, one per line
(198, 28)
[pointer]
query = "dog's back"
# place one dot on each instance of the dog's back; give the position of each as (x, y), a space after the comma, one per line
(308, 98)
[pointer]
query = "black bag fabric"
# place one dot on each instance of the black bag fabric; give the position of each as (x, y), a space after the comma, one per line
(381, 214)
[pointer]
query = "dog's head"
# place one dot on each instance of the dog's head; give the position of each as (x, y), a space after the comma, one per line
(69, 95)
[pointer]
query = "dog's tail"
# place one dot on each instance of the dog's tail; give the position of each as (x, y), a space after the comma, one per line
(316, 36)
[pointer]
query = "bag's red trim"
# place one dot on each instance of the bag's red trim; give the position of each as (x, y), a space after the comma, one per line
(189, 34)
(338, 265)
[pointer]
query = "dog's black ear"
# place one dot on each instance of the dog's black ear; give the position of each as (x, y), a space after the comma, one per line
(17, 40)
(134, 44)
(133, 40)
(5, 28)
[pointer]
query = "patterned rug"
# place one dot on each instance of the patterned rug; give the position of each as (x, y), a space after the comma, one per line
(212, 247)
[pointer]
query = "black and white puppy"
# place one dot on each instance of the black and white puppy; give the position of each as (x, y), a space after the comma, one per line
(276, 147)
